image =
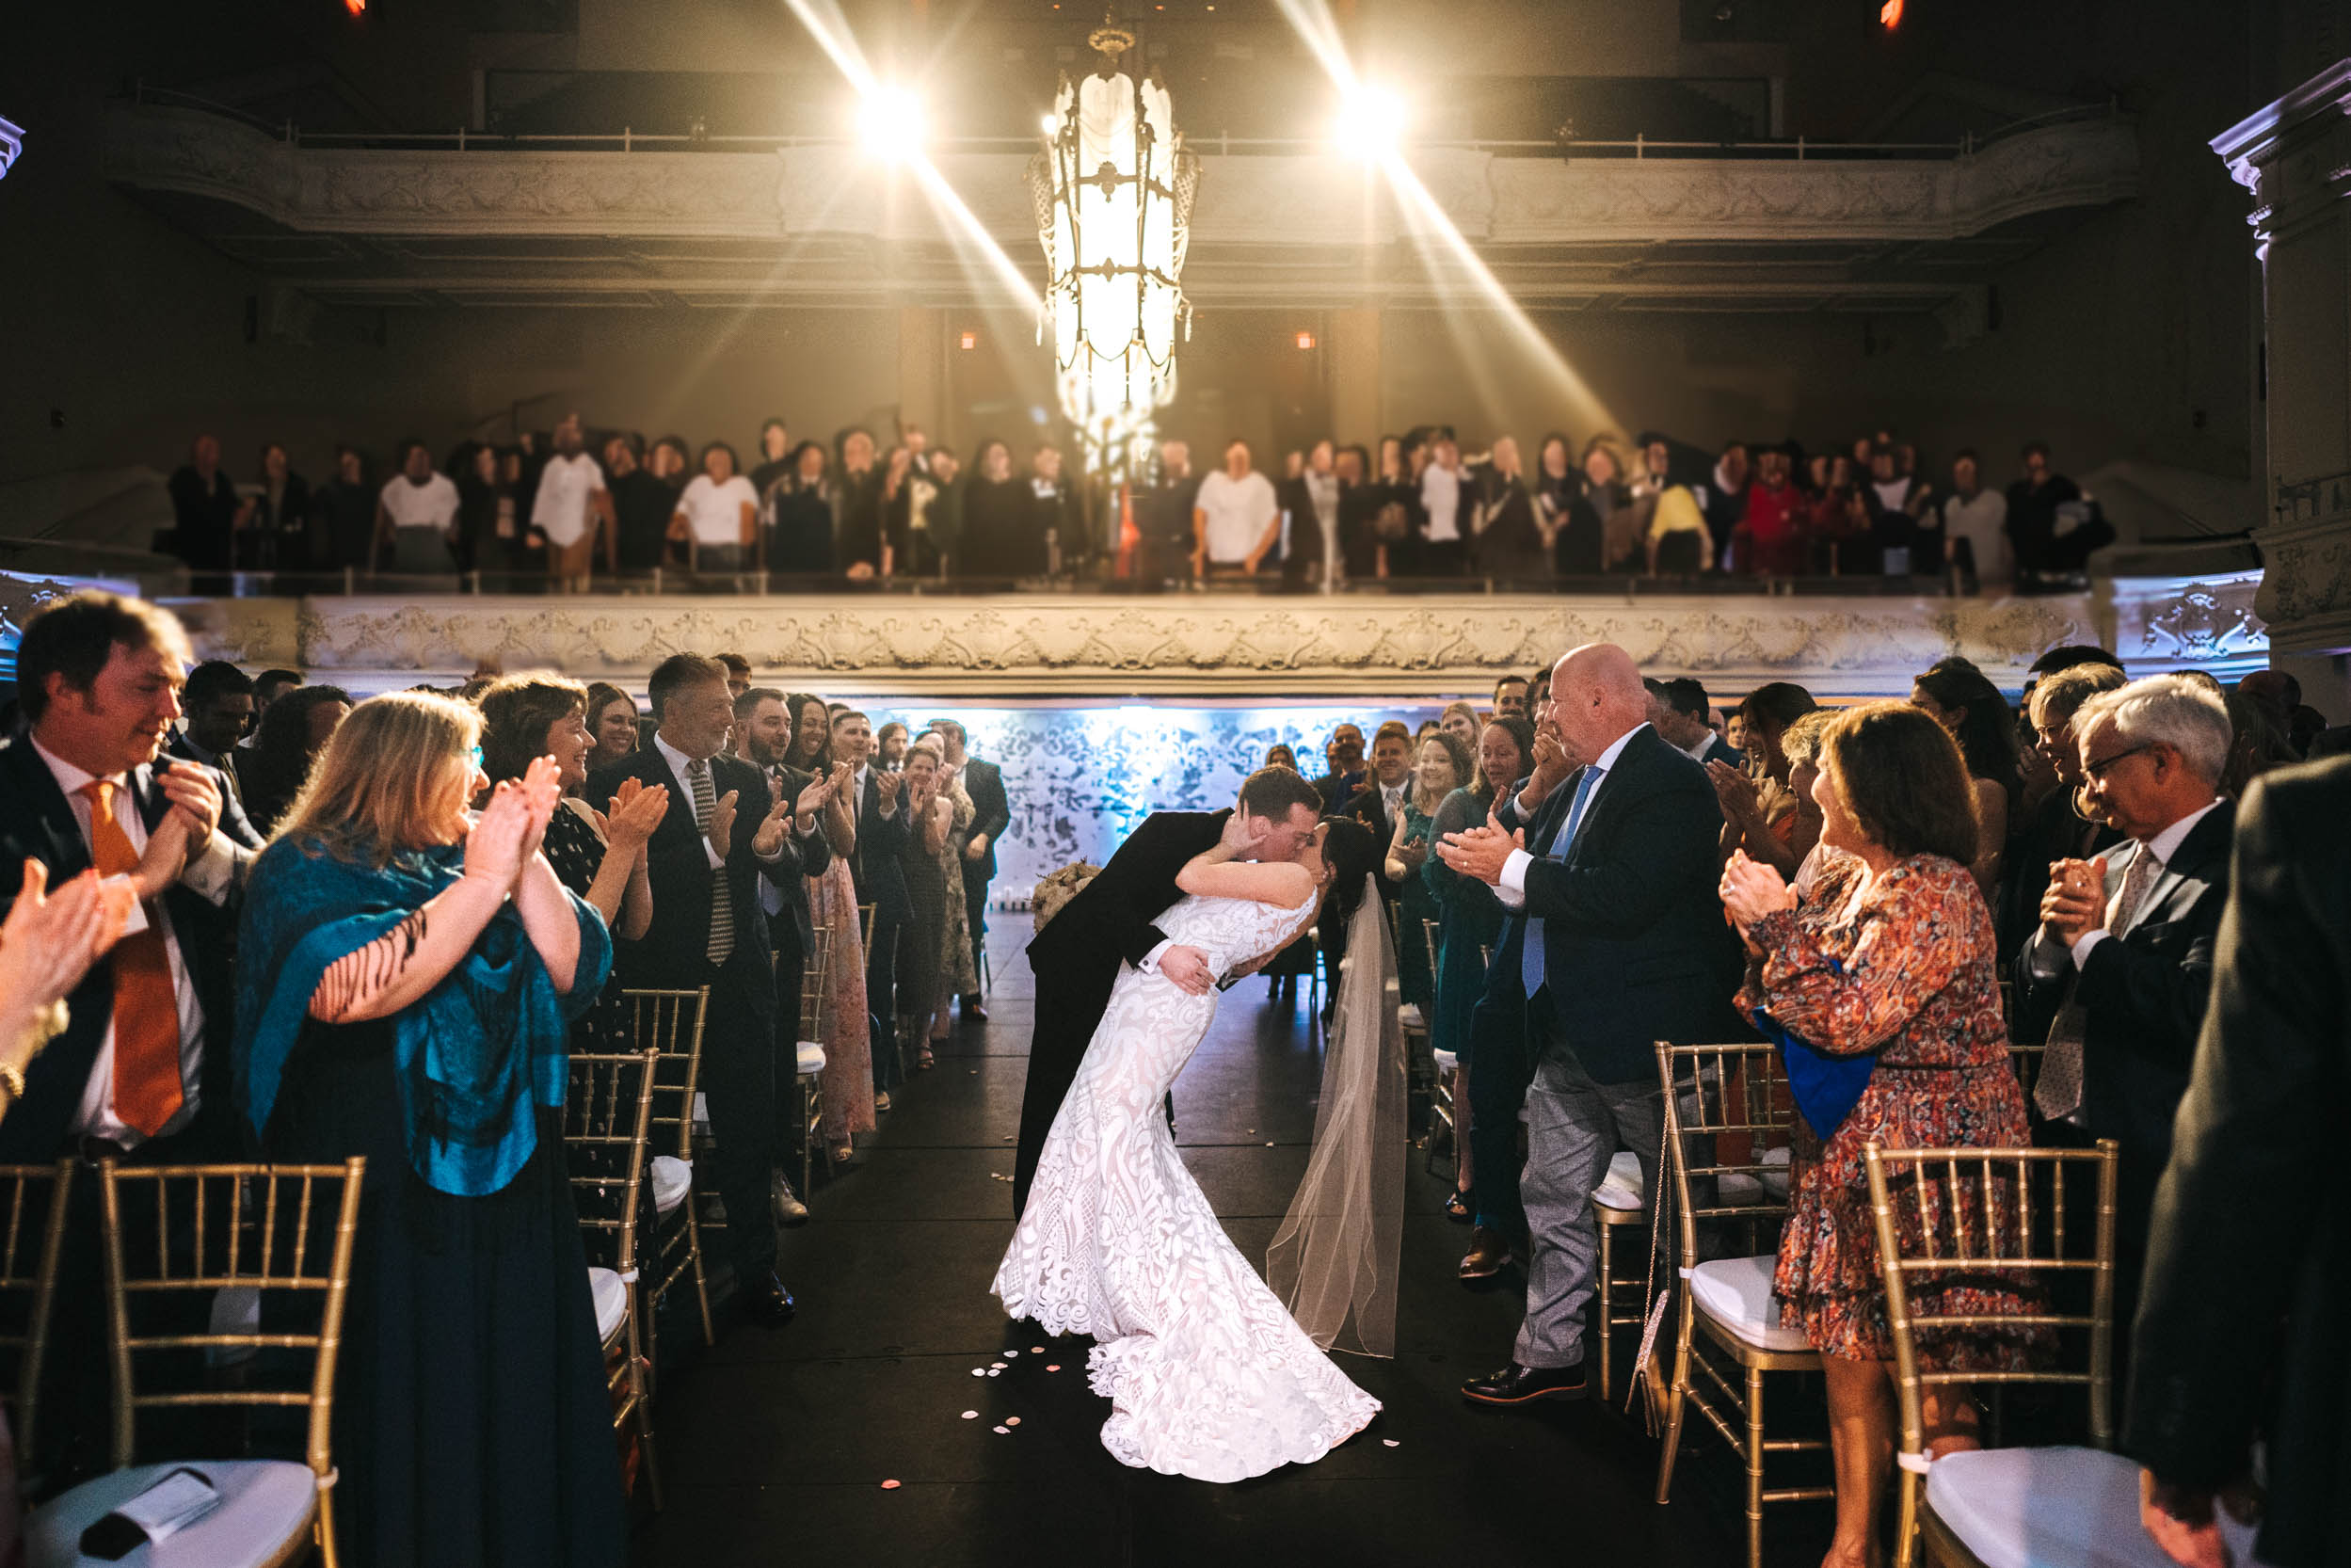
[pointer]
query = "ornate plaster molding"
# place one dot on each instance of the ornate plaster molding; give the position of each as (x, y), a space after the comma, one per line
(1244, 200)
(1055, 646)
(2189, 622)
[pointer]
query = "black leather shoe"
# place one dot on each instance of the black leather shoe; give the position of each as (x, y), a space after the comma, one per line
(769, 1301)
(973, 1012)
(790, 1210)
(1487, 1253)
(1515, 1384)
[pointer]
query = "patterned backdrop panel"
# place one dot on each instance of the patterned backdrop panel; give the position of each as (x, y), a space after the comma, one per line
(1078, 779)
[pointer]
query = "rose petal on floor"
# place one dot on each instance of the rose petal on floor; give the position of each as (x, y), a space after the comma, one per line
(1002, 1431)
(1389, 1442)
(1054, 1367)
(1012, 1420)
(970, 1415)
(889, 1486)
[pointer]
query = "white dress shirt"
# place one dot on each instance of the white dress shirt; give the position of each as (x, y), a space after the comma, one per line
(209, 874)
(566, 486)
(1392, 800)
(1696, 751)
(678, 762)
(1441, 497)
(1513, 891)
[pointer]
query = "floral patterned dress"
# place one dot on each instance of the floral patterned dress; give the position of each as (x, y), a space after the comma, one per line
(848, 1077)
(1907, 973)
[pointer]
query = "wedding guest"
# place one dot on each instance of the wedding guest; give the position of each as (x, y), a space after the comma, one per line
(206, 510)
(1773, 538)
(717, 514)
(1509, 698)
(1607, 492)
(1381, 800)
(1361, 551)
(2056, 828)
(999, 517)
(1726, 500)
(1343, 769)
(1892, 957)
(278, 526)
(1321, 488)
(598, 856)
(1460, 720)
(1164, 513)
(890, 745)
(775, 455)
(720, 837)
(877, 846)
(1565, 521)
(1682, 717)
(219, 701)
(1954, 694)
(1060, 524)
(858, 502)
(923, 861)
(486, 528)
(1442, 765)
(343, 522)
(924, 522)
(49, 939)
(452, 1444)
(1236, 522)
(958, 971)
(571, 509)
(1759, 815)
(848, 1041)
(800, 540)
(611, 722)
(1279, 756)
(417, 518)
(2116, 978)
(1469, 922)
(1445, 501)
(292, 732)
(983, 783)
(643, 507)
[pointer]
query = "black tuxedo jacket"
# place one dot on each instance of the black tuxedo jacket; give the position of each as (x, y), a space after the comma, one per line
(674, 949)
(1077, 957)
(233, 821)
(2239, 1323)
(1635, 947)
(877, 863)
(36, 823)
(810, 856)
(2144, 989)
(1719, 750)
(991, 811)
(1337, 794)
(1369, 806)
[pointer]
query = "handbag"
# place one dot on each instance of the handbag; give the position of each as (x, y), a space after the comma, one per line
(1826, 1086)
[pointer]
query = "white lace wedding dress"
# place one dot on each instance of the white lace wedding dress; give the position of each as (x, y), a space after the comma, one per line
(1208, 1374)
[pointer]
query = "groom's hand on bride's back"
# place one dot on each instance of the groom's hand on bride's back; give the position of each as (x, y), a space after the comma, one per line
(1189, 969)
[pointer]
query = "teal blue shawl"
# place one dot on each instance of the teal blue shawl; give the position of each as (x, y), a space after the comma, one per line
(475, 1057)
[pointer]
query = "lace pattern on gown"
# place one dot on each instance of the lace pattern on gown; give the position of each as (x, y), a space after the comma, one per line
(1208, 1374)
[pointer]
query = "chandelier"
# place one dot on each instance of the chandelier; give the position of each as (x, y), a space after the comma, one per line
(1114, 188)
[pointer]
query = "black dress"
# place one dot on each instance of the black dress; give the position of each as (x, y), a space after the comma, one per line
(472, 1427)
(574, 850)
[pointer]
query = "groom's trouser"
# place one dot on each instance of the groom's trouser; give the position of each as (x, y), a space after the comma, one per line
(1574, 1126)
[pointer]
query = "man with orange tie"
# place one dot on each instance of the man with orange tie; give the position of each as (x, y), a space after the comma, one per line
(141, 1073)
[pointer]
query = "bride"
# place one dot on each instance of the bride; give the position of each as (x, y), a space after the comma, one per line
(1207, 1372)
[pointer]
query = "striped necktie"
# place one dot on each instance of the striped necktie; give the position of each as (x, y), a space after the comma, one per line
(722, 942)
(2058, 1091)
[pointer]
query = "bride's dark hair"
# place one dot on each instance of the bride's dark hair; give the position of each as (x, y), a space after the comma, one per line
(1351, 850)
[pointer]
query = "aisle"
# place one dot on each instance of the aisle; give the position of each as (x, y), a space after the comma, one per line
(775, 1445)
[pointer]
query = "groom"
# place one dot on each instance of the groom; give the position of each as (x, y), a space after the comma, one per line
(1077, 957)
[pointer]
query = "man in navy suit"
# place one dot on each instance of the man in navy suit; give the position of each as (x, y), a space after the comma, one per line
(723, 833)
(1683, 715)
(1608, 852)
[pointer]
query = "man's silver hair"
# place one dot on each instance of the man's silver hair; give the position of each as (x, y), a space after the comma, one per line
(2179, 711)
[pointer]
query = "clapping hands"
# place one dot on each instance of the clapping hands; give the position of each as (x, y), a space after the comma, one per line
(1752, 889)
(1482, 852)
(636, 810)
(50, 940)
(506, 835)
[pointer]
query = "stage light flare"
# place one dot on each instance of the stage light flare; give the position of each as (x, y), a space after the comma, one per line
(890, 124)
(1371, 122)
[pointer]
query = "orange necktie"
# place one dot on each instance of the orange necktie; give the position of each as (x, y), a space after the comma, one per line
(147, 1089)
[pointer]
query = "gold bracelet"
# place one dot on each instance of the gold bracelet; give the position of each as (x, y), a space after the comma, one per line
(12, 1077)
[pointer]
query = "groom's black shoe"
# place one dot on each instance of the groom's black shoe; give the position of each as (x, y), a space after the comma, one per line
(1515, 1384)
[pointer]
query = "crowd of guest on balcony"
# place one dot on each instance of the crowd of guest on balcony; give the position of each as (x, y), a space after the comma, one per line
(562, 508)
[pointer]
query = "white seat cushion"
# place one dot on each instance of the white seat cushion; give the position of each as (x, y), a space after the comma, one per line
(811, 1058)
(1775, 1178)
(265, 1506)
(610, 1296)
(1737, 1190)
(673, 1179)
(1447, 1061)
(1737, 1293)
(1621, 1188)
(2052, 1508)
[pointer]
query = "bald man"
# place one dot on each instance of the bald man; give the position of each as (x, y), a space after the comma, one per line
(1607, 857)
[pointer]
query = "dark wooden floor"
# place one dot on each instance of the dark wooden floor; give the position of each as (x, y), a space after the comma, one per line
(776, 1445)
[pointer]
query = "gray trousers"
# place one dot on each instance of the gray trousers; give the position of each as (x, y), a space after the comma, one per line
(1574, 1127)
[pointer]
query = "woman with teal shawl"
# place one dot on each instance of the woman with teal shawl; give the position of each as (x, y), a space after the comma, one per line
(406, 976)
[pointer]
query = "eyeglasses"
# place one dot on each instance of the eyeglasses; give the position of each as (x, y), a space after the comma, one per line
(2098, 770)
(477, 758)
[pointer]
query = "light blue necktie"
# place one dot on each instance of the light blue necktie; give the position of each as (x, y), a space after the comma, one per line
(1531, 956)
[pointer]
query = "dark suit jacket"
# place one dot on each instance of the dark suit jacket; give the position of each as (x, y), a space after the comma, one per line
(991, 811)
(1078, 956)
(1635, 947)
(36, 823)
(876, 864)
(1720, 752)
(1337, 793)
(1369, 806)
(233, 821)
(811, 855)
(674, 950)
(2145, 990)
(2239, 1323)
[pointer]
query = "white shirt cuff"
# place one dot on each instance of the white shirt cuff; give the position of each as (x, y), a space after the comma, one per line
(2084, 944)
(213, 871)
(711, 851)
(1150, 964)
(1511, 889)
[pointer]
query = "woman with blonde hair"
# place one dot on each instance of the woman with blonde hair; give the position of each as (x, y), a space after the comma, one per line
(409, 973)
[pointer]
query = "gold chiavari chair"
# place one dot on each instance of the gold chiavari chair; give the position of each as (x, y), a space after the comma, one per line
(1727, 1331)
(670, 1022)
(1619, 1203)
(808, 1063)
(607, 1115)
(32, 1229)
(1441, 1111)
(1949, 1216)
(257, 1227)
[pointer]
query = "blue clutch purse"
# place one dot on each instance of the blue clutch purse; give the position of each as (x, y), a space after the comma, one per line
(1826, 1087)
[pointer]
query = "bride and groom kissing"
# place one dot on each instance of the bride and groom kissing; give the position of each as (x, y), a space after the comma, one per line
(1210, 1371)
